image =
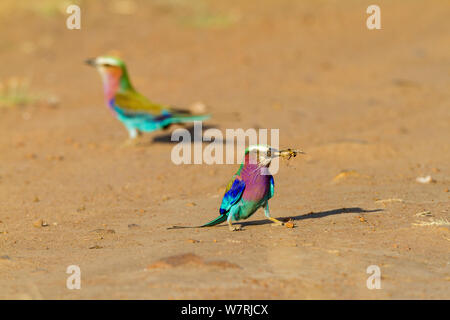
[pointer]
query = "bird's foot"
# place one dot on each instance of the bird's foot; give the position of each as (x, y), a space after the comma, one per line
(276, 223)
(234, 228)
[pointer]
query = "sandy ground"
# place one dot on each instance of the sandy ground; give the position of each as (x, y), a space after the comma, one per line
(373, 104)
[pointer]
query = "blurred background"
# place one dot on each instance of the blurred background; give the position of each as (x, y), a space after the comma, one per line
(370, 107)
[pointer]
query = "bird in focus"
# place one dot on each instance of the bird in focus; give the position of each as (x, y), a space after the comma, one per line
(250, 188)
(134, 110)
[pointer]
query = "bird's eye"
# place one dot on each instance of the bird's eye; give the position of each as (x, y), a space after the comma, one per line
(269, 153)
(107, 65)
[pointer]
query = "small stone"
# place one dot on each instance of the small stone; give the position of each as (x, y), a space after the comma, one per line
(427, 179)
(40, 223)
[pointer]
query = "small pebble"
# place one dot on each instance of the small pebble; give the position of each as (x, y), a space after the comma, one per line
(40, 223)
(427, 179)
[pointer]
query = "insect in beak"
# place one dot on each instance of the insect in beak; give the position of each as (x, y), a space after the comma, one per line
(289, 153)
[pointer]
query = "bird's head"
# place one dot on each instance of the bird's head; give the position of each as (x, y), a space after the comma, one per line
(107, 64)
(113, 72)
(262, 154)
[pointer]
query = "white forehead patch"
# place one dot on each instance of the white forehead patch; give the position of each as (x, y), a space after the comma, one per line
(261, 148)
(258, 147)
(106, 60)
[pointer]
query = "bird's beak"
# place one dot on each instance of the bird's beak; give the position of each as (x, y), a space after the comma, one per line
(91, 62)
(289, 153)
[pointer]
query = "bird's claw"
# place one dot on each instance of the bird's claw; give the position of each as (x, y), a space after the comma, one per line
(235, 228)
(277, 224)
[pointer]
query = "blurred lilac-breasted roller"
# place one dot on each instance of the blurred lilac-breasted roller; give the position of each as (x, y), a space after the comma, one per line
(135, 111)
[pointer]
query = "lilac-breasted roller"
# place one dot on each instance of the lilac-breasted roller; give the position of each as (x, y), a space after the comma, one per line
(251, 187)
(135, 111)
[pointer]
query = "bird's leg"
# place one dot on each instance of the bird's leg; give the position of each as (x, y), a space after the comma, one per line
(267, 213)
(134, 135)
(230, 224)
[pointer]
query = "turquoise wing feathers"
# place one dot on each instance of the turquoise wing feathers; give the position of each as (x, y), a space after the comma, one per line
(137, 112)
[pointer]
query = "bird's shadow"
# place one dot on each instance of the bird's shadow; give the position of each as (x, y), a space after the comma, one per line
(311, 215)
(195, 136)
